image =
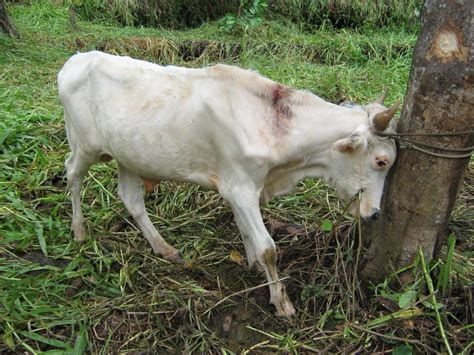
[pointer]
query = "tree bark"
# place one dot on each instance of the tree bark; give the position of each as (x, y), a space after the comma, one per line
(5, 23)
(421, 189)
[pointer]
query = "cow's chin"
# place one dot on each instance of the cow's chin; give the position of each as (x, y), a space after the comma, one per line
(356, 212)
(366, 219)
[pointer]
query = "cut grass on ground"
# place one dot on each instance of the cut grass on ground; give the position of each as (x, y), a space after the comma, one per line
(111, 294)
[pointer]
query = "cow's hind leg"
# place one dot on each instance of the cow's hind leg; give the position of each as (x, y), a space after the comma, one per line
(77, 166)
(245, 204)
(131, 193)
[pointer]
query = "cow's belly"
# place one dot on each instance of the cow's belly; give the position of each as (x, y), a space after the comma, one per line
(171, 161)
(163, 151)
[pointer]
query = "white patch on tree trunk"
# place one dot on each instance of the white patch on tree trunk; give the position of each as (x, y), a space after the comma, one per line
(448, 44)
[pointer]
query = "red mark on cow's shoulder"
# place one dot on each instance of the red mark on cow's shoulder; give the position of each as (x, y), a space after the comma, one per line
(280, 108)
(277, 94)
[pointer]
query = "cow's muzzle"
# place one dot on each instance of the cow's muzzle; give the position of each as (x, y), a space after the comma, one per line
(372, 217)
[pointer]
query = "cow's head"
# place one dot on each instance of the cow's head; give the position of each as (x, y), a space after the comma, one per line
(364, 158)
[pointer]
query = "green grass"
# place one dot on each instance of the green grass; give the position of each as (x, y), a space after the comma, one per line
(113, 295)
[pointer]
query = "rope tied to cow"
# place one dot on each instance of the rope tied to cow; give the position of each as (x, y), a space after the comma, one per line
(406, 143)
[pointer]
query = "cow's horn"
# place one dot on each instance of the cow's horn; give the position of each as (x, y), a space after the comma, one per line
(382, 97)
(382, 119)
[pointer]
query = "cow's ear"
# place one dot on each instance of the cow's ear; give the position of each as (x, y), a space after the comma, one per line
(355, 142)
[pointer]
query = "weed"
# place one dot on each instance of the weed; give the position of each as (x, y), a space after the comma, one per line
(429, 283)
(445, 273)
(250, 14)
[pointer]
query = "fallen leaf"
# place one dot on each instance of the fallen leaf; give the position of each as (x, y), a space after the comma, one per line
(236, 257)
(408, 324)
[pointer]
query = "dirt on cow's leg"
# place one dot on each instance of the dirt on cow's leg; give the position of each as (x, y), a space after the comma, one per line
(278, 295)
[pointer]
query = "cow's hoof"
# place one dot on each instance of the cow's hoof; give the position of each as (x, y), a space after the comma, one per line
(79, 231)
(175, 258)
(285, 310)
(283, 305)
(80, 241)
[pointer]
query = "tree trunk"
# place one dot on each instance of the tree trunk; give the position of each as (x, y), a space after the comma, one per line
(5, 22)
(421, 189)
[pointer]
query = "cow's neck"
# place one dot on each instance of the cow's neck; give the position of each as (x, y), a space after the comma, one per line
(317, 125)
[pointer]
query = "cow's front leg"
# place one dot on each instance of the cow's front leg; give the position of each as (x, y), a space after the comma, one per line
(245, 204)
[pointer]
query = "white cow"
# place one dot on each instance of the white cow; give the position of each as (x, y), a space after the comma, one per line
(223, 128)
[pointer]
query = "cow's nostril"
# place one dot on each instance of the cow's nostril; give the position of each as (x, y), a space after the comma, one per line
(375, 216)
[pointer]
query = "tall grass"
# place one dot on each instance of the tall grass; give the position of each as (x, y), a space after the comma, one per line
(349, 13)
(156, 13)
(309, 14)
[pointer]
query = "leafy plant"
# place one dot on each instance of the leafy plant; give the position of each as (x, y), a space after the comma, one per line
(402, 349)
(327, 225)
(250, 14)
(406, 299)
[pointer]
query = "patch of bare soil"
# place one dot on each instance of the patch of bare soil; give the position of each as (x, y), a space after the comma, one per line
(39, 258)
(232, 325)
